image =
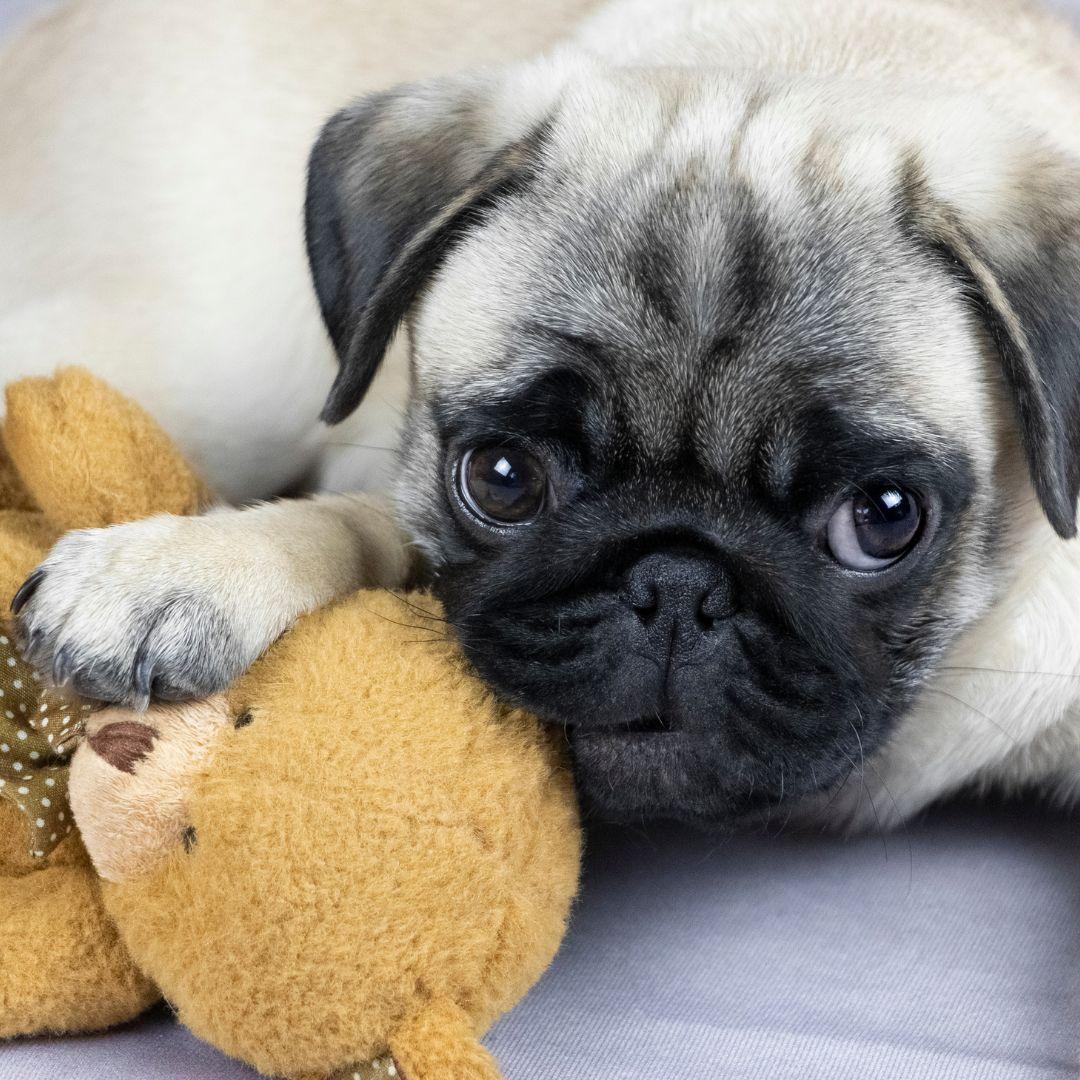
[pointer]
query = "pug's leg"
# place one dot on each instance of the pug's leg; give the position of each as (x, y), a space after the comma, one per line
(178, 607)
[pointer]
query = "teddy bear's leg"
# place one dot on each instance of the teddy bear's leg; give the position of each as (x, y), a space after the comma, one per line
(62, 965)
(440, 1043)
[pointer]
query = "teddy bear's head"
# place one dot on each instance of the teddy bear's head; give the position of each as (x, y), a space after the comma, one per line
(355, 851)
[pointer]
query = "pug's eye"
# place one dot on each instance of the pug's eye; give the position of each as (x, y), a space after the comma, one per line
(502, 485)
(875, 527)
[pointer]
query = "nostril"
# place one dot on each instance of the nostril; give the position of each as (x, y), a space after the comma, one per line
(716, 604)
(643, 599)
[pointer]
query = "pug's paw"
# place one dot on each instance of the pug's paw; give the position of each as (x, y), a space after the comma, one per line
(163, 608)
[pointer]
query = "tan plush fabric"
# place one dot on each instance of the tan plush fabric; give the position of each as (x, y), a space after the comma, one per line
(130, 790)
(436, 1043)
(379, 858)
(348, 865)
(13, 493)
(73, 453)
(90, 457)
(62, 966)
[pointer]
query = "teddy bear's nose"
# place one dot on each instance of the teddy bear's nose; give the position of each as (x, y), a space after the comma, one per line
(123, 744)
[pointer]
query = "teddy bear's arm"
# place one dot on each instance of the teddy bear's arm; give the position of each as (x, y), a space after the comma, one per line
(179, 607)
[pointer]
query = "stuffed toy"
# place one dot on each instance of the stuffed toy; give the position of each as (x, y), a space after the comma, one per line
(72, 455)
(346, 865)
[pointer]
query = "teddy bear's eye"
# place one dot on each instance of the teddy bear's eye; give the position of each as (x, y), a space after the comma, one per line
(189, 837)
(244, 719)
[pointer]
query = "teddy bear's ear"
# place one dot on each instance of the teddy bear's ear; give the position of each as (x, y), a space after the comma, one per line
(89, 457)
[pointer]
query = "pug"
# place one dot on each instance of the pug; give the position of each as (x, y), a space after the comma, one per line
(743, 435)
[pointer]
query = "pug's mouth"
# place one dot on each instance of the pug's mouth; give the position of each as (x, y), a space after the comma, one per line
(652, 724)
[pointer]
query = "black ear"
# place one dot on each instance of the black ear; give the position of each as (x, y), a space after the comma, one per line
(1022, 275)
(392, 181)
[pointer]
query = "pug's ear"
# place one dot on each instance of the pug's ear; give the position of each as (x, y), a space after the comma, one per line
(393, 181)
(1014, 245)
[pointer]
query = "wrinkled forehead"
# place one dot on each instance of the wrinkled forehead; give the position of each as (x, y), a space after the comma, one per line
(703, 276)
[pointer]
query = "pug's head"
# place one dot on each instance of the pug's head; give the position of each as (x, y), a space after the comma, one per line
(715, 397)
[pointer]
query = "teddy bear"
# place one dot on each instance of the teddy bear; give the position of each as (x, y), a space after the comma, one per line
(348, 864)
(354, 853)
(73, 454)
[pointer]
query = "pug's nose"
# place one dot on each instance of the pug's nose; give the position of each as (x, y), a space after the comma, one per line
(686, 592)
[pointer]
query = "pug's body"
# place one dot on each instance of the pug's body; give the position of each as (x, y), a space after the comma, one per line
(743, 436)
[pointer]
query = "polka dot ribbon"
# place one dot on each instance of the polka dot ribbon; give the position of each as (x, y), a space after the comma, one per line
(39, 730)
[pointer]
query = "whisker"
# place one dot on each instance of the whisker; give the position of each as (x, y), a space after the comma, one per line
(903, 825)
(836, 794)
(1007, 671)
(391, 406)
(419, 610)
(360, 446)
(866, 788)
(978, 712)
(436, 636)
(779, 803)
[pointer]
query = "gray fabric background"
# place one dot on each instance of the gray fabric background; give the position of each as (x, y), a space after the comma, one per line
(948, 952)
